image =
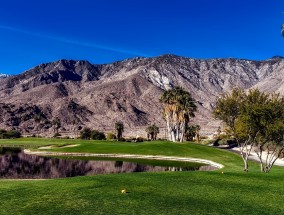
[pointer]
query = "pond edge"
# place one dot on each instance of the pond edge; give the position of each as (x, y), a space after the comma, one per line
(131, 156)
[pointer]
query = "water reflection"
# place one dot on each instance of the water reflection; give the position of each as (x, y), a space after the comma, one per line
(14, 163)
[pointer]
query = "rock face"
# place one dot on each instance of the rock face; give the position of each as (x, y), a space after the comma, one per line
(82, 94)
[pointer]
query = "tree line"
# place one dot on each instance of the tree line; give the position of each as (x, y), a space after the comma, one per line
(254, 119)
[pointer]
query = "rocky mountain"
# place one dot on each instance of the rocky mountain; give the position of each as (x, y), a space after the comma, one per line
(81, 94)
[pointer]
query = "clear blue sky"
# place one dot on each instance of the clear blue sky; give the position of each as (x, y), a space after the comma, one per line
(35, 31)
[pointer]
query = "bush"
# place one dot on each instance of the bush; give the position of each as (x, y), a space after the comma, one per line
(85, 134)
(9, 134)
(110, 136)
(97, 135)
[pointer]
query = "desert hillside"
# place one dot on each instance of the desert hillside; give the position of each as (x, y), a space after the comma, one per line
(82, 94)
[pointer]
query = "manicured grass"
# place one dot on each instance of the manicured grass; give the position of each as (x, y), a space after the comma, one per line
(230, 160)
(233, 192)
(36, 142)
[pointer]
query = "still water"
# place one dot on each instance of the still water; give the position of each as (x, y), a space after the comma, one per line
(15, 164)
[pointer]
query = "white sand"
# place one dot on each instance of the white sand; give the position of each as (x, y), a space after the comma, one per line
(253, 156)
(149, 157)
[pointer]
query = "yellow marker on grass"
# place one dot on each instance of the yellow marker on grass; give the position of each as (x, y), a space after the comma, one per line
(124, 191)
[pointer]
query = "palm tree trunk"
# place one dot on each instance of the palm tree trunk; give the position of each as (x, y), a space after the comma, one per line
(182, 132)
(173, 133)
(168, 126)
(173, 137)
(177, 132)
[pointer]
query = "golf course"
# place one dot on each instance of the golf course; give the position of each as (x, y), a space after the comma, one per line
(228, 190)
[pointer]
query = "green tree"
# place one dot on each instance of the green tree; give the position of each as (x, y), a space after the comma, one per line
(192, 132)
(119, 127)
(270, 142)
(228, 109)
(86, 133)
(149, 131)
(255, 120)
(152, 132)
(97, 135)
(178, 107)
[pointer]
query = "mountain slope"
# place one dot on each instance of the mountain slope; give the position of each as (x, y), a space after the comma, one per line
(82, 94)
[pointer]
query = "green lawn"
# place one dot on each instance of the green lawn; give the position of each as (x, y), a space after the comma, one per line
(233, 192)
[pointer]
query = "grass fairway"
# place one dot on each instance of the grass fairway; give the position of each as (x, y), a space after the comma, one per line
(233, 192)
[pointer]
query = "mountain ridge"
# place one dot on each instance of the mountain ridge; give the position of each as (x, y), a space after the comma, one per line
(2, 75)
(96, 95)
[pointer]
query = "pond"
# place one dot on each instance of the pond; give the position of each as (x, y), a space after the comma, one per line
(15, 164)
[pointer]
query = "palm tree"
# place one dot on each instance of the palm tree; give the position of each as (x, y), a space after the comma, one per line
(197, 136)
(152, 132)
(149, 131)
(75, 126)
(56, 125)
(178, 107)
(38, 118)
(192, 132)
(119, 127)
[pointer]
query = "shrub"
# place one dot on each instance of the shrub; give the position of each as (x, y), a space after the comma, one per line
(119, 127)
(110, 136)
(97, 135)
(9, 134)
(152, 132)
(85, 134)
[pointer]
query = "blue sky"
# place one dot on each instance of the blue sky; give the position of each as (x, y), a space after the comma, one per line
(34, 32)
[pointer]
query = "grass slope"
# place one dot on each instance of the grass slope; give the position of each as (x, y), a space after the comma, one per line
(233, 192)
